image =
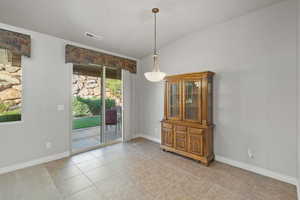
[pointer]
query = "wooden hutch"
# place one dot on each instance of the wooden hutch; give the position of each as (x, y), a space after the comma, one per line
(187, 126)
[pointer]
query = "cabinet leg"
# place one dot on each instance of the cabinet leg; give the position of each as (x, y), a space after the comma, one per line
(206, 163)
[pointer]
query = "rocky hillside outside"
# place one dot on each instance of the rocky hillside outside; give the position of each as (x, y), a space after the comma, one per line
(10, 86)
(87, 95)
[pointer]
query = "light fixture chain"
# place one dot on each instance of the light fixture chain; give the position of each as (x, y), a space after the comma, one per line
(155, 50)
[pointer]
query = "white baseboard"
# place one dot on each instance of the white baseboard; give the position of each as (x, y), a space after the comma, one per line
(258, 170)
(34, 162)
(245, 166)
(153, 139)
(298, 190)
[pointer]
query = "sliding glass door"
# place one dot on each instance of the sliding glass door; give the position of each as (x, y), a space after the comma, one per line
(114, 105)
(96, 106)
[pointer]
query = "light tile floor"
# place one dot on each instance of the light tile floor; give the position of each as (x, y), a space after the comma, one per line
(138, 170)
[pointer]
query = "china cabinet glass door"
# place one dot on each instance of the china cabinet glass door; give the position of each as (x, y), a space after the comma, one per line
(192, 100)
(174, 100)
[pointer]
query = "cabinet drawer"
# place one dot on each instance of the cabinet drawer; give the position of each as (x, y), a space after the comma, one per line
(181, 141)
(166, 125)
(180, 134)
(195, 131)
(181, 128)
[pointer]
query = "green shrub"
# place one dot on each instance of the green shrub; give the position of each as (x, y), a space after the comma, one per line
(110, 103)
(3, 107)
(93, 104)
(12, 112)
(90, 106)
(114, 86)
(80, 108)
(9, 118)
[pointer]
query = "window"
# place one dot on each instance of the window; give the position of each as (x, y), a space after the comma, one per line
(10, 86)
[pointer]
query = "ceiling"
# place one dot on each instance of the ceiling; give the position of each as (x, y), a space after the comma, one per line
(126, 25)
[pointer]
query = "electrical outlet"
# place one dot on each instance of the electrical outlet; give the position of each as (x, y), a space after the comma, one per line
(48, 145)
(60, 107)
(250, 154)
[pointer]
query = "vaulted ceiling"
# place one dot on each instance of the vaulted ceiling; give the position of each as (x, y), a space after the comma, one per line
(126, 25)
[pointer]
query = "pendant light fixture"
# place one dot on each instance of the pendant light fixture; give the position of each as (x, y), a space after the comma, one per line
(156, 75)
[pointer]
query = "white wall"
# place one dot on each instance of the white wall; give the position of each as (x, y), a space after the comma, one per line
(129, 110)
(46, 84)
(255, 93)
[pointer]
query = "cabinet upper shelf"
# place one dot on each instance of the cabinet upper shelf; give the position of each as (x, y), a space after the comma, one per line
(188, 97)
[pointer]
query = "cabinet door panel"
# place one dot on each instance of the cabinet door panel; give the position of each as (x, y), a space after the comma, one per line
(167, 137)
(196, 142)
(174, 100)
(181, 140)
(192, 100)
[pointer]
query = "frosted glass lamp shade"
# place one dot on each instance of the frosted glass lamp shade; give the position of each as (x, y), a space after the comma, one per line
(155, 76)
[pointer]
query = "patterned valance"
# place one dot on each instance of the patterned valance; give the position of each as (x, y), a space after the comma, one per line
(96, 71)
(17, 43)
(82, 56)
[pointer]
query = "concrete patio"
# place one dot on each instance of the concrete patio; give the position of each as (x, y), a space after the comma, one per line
(89, 137)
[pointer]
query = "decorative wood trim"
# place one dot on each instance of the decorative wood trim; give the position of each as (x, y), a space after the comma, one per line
(96, 71)
(186, 123)
(196, 75)
(188, 154)
(204, 101)
(82, 56)
(17, 43)
(165, 100)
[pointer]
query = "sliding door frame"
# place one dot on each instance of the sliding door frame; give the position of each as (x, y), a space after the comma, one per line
(102, 142)
(103, 110)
